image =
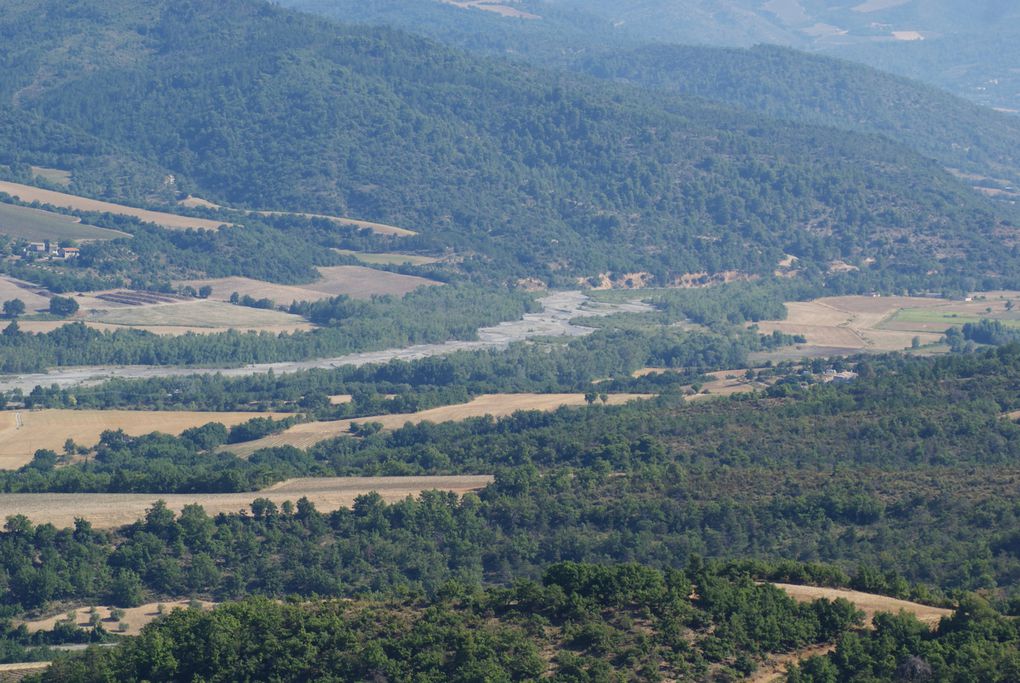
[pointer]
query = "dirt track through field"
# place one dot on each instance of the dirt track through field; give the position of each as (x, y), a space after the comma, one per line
(497, 405)
(109, 510)
(27, 193)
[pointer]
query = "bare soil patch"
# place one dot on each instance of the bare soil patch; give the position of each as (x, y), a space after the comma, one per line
(109, 510)
(23, 432)
(497, 405)
(27, 193)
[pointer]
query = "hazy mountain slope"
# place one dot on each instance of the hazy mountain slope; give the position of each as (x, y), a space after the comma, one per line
(969, 48)
(786, 84)
(532, 172)
(796, 86)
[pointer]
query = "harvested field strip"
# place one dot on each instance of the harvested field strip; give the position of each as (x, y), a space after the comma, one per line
(497, 405)
(109, 510)
(22, 432)
(27, 193)
(38, 225)
(356, 282)
(134, 617)
(380, 228)
(198, 314)
(389, 258)
(869, 603)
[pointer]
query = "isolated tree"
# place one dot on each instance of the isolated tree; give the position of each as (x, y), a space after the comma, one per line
(63, 306)
(13, 308)
(205, 291)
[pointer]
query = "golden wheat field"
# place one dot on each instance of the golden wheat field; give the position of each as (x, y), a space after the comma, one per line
(497, 405)
(110, 510)
(23, 432)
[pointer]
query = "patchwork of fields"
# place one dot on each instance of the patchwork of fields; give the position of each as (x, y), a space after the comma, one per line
(109, 510)
(308, 434)
(834, 325)
(23, 432)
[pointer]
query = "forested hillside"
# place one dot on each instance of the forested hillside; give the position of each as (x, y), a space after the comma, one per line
(795, 86)
(538, 174)
(781, 83)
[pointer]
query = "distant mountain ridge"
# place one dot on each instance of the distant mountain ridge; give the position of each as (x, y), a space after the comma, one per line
(971, 49)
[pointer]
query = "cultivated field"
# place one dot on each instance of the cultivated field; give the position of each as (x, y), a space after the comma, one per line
(868, 603)
(354, 281)
(134, 617)
(388, 258)
(889, 323)
(23, 432)
(26, 291)
(109, 510)
(27, 193)
(199, 316)
(497, 405)
(380, 228)
(38, 225)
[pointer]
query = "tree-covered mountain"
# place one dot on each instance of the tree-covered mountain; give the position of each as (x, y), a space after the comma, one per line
(529, 172)
(781, 83)
(968, 48)
(812, 89)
